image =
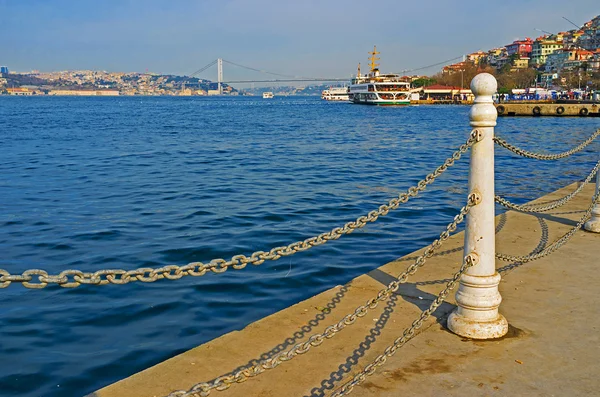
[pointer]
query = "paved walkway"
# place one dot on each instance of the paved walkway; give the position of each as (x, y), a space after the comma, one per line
(552, 349)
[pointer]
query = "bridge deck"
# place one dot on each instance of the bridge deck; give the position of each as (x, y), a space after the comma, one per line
(551, 305)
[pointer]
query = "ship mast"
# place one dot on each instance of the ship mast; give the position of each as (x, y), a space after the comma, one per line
(358, 72)
(373, 58)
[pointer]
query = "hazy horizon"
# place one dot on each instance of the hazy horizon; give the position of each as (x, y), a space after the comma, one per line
(310, 38)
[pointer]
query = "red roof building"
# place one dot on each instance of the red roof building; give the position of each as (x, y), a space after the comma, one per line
(521, 47)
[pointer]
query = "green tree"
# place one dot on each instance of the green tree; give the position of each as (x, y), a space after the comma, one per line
(520, 78)
(423, 81)
(463, 78)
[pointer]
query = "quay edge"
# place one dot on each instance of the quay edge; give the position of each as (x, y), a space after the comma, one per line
(537, 109)
(547, 302)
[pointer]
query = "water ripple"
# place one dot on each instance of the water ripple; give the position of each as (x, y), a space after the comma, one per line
(93, 183)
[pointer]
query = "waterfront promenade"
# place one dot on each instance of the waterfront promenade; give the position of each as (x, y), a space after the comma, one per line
(329, 341)
(551, 348)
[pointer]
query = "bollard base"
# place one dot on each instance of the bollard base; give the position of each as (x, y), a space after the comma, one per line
(467, 328)
(593, 225)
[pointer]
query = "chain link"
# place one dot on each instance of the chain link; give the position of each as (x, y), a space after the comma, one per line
(224, 382)
(74, 278)
(551, 205)
(540, 156)
(556, 244)
(407, 335)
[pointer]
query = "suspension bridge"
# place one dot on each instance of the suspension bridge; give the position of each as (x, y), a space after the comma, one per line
(280, 78)
(286, 78)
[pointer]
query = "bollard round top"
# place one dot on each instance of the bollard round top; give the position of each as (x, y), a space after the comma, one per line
(484, 84)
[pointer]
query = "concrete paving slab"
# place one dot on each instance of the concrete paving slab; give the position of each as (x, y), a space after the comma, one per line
(551, 349)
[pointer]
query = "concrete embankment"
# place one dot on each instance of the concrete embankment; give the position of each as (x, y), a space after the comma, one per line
(551, 349)
(548, 109)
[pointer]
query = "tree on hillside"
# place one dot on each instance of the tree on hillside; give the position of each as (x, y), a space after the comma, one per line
(572, 79)
(594, 78)
(423, 81)
(464, 77)
(525, 78)
(520, 78)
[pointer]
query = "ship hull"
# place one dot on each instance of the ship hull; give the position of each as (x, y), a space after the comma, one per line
(383, 103)
(381, 93)
(362, 100)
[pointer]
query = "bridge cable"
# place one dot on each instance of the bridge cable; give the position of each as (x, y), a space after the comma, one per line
(203, 69)
(262, 71)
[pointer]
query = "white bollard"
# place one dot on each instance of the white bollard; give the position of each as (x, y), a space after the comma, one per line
(593, 225)
(477, 297)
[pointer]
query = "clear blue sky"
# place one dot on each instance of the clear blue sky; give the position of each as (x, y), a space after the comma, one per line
(301, 37)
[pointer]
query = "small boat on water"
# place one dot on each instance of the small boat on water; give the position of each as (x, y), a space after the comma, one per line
(336, 94)
(375, 88)
(268, 95)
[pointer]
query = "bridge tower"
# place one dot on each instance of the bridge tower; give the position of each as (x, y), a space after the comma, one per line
(220, 74)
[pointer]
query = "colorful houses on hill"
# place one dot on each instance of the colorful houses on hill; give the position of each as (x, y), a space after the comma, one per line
(551, 53)
(544, 46)
(522, 48)
(570, 59)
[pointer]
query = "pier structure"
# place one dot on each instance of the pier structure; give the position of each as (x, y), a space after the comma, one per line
(368, 303)
(549, 108)
(548, 350)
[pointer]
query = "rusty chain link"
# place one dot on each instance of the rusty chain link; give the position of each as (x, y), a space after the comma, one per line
(37, 278)
(556, 244)
(224, 382)
(203, 389)
(408, 333)
(551, 205)
(541, 156)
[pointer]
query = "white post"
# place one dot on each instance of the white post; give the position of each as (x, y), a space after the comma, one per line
(593, 225)
(477, 297)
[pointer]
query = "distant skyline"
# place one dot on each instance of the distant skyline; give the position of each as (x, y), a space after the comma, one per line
(304, 38)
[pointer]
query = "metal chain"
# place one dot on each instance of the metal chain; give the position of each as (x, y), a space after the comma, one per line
(37, 278)
(540, 156)
(556, 244)
(224, 382)
(407, 335)
(553, 204)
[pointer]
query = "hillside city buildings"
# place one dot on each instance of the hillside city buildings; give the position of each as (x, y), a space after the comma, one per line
(551, 54)
(100, 83)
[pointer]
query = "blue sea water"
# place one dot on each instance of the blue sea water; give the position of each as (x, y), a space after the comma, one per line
(96, 183)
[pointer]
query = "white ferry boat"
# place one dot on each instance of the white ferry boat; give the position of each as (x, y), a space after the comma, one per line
(268, 95)
(379, 89)
(335, 94)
